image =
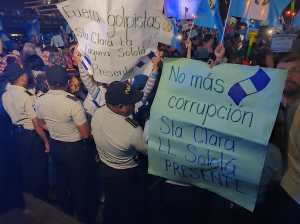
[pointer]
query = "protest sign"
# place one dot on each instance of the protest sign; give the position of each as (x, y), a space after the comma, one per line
(210, 127)
(114, 34)
(283, 43)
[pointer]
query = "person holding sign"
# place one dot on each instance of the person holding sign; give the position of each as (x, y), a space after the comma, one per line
(290, 194)
(96, 93)
(119, 140)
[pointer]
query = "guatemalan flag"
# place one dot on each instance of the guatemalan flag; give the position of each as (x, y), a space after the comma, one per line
(208, 15)
(181, 9)
(252, 85)
(265, 10)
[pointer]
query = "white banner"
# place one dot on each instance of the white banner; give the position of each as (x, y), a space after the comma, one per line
(114, 34)
(283, 43)
(257, 9)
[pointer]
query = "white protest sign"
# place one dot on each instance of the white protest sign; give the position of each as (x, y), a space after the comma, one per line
(283, 43)
(210, 127)
(114, 34)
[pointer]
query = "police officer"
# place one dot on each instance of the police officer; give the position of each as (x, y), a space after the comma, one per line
(32, 142)
(10, 173)
(119, 140)
(66, 121)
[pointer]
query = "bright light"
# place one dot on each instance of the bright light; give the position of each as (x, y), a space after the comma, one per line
(179, 37)
(270, 32)
(15, 35)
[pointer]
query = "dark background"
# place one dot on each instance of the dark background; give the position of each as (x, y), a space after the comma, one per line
(11, 4)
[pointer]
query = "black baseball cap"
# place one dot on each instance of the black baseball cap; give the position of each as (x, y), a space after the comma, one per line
(13, 71)
(57, 76)
(122, 93)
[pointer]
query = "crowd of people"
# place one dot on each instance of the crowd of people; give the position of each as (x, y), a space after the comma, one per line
(85, 141)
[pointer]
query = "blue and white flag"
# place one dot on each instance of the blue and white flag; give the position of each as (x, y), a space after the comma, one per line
(175, 41)
(87, 64)
(208, 15)
(256, 83)
(181, 9)
(296, 22)
(144, 65)
(170, 36)
(265, 10)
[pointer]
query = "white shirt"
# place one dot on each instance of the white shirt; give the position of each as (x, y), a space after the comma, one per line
(62, 112)
(19, 104)
(57, 41)
(117, 140)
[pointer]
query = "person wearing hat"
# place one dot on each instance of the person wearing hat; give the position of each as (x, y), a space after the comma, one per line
(64, 116)
(32, 142)
(119, 140)
(10, 173)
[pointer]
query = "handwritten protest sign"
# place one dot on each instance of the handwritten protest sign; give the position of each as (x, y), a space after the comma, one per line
(114, 34)
(210, 127)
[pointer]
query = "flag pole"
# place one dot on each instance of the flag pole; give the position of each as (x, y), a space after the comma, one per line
(227, 17)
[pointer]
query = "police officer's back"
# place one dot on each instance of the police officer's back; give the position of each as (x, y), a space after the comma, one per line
(119, 139)
(10, 178)
(66, 121)
(29, 135)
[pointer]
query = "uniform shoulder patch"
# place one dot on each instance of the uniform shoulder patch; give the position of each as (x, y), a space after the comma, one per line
(74, 98)
(132, 122)
(29, 93)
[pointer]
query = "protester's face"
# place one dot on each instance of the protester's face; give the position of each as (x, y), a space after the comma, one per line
(292, 85)
(45, 57)
(74, 85)
(161, 54)
(23, 80)
(76, 56)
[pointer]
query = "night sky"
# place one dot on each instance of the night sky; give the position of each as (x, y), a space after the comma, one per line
(11, 3)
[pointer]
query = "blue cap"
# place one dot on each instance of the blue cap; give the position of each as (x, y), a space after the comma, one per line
(122, 93)
(13, 71)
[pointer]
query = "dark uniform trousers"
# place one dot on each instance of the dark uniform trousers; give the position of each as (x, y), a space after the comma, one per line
(75, 179)
(289, 210)
(33, 162)
(10, 172)
(124, 195)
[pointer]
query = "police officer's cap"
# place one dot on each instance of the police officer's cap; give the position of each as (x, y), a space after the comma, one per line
(57, 76)
(122, 93)
(13, 71)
